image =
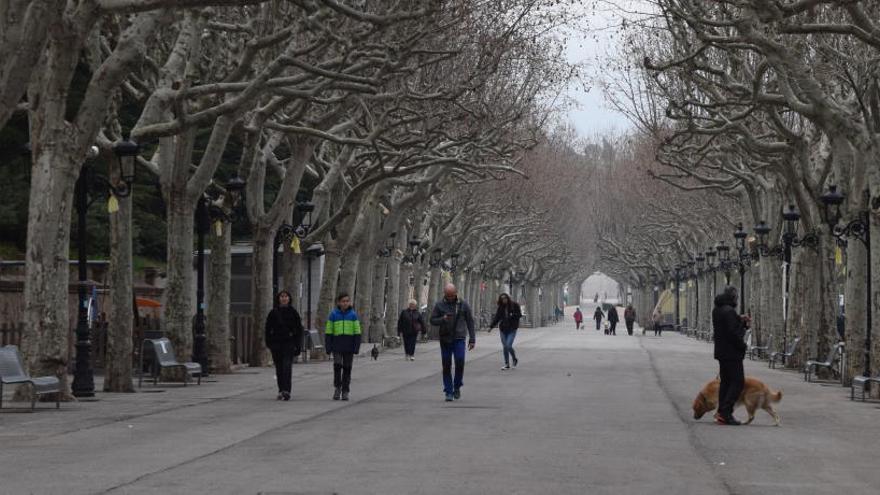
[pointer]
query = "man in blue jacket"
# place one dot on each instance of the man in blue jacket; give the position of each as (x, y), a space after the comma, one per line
(456, 323)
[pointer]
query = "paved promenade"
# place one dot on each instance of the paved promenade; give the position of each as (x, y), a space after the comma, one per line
(583, 414)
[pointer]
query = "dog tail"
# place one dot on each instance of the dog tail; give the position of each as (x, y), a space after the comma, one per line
(776, 397)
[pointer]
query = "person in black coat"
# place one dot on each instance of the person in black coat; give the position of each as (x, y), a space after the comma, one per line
(409, 325)
(730, 350)
(284, 336)
(613, 318)
(507, 318)
(598, 315)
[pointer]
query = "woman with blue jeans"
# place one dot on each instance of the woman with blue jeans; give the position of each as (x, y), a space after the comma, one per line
(507, 318)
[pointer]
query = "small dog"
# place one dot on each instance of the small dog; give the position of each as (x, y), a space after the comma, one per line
(755, 395)
(375, 354)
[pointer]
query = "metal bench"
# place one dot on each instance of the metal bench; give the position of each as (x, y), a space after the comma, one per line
(12, 372)
(863, 382)
(784, 356)
(813, 365)
(164, 358)
(760, 350)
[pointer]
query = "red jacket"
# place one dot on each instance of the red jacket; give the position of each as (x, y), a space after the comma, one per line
(578, 316)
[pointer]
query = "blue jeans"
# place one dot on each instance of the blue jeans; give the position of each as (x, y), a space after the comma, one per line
(454, 349)
(507, 344)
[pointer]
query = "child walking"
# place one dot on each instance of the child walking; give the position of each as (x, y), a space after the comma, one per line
(343, 340)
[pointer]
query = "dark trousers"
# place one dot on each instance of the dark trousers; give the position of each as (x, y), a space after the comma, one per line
(613, 328)
(342, 370)
(409, 343)
(629, 327)
(283, 359)
(598, 324)
(658, 330)
(732, 382)
(448, 351)
(577, 324)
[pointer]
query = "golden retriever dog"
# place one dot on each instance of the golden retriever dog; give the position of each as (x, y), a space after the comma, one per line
(755, 395)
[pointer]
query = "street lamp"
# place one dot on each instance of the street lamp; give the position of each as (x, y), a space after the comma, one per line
(700, 261)
(83, 376)
(287, 232)
(740, 236)
(314, 251)
(207, 213)
(436, 258)
(860, 228)
(412, 252)
(677, 272)
(388, 249)
(453, 262)
(724, 260)
(791, 219)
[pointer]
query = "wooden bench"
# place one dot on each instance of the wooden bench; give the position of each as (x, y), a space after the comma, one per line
(813, 365)
(164, 358)
(12, 372)
(784, 356)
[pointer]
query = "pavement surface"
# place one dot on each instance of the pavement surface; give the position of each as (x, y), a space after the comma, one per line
(583, 414)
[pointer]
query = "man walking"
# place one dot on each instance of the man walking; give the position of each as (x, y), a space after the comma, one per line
(613, 318)
(730, 350)
(578, 318)
(629, 317)
(456, 323)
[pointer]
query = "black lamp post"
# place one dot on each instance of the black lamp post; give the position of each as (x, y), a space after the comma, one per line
(677, 272)
(413, 251)
(205, 214)
(711, 266)
(83, 376)
(521, 279)
(453, 263)
(286, 233)
(724, 260)
(314, 251)
(740, 236)
(700, 261)
(859, 228)
(791, 218)
(388, 249)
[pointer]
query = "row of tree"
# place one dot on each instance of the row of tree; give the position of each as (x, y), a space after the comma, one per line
(742, 109)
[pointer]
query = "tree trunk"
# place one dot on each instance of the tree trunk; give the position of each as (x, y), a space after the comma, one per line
(118, 364)
(219, 278)
(178, 301)
(261, 291)
(47, 331)
(364, 291)
(327, 296)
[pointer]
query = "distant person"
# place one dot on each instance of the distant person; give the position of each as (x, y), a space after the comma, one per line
(598, 315)
(409, 325)
(456, 323)
(613, 318)
(629, 317)
(841, 324)
(730, 350)
(657, 322)
(578, 318)
(343, 341)
(284, 337)
(507, 316)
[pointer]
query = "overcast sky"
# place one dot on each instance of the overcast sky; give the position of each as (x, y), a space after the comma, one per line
(592, 114)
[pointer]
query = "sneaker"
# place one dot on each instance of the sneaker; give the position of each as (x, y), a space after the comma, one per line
(280, 396)
(412, 358)
(285, 395)
(505, 367)
(449, 398)
(344, 395)
(515, 362)
(337, 394)
(456, 395)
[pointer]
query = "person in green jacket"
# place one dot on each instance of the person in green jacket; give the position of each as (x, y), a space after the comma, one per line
(343, 340)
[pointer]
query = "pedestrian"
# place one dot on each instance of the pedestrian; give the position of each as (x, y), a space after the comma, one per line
(657, 322)
(730, 350)
(629, 317)
(409, 325)
(343, 340)
(613, 318)
(284, 336)
(578, 318)
(507, 317)
(456, 323)
(598, 315)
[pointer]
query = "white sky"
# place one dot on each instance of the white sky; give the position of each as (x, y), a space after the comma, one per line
(592, 114)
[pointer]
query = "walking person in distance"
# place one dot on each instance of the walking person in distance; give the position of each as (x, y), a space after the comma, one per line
(598, 315)
(613, 319)
(730, 350)
(409, 325)
(507, 317)
(284, 336)
(343, 340)
(629, 317)
(456, 323)
(578, 318)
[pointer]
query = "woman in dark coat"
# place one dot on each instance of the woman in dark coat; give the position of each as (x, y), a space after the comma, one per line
(284, 335)
(409, 325)
(613, 318)
(598, 315)
(507, 318)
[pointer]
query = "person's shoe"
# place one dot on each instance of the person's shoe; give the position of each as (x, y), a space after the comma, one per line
(337, 394)
(285, 395)
(449, 398)
(729, 420)
(505, 367)
(344, 395)
(280, 396)
(456, 395)
(515, 362)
